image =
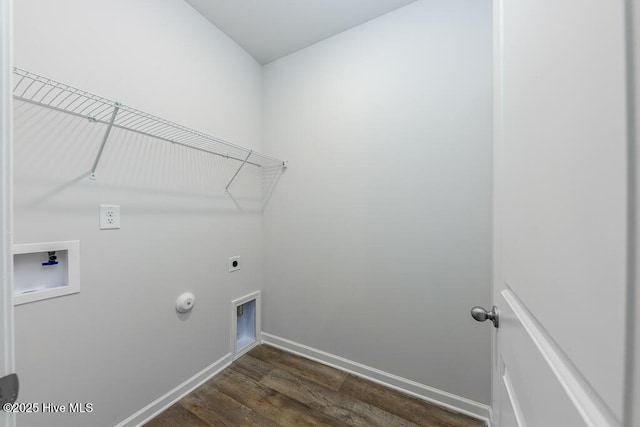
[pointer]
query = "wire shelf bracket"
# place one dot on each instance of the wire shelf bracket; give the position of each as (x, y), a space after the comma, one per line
(226, 189)
(38, 90)
(104, 141)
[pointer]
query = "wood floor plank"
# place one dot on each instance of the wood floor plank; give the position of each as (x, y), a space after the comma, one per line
(215, 407)
(198, 408)
(256, 420)
(271, 388)
(252, 367)
(351, 411)
(299, 366)
(418, 411)
(270, 403)
(177, 416)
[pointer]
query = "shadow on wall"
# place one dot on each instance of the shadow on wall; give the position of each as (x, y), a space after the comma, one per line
(271, 175)
(54, 152)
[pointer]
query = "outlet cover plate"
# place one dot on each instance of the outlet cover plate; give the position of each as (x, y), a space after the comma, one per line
(109, 217)
(234, 263)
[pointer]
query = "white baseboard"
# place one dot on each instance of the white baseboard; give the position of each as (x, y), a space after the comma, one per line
(421, 391)
(163, 402)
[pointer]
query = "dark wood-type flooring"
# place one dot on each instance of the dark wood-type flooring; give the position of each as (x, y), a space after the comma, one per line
(268, 387)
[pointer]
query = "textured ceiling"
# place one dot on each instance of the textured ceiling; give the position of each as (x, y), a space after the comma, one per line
(270, 29)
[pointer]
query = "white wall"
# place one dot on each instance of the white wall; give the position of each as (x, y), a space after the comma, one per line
(119, 343)
(377, 240)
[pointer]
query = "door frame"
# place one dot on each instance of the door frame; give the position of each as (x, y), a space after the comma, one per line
(632, 363)
(496, 241)
(6, 259)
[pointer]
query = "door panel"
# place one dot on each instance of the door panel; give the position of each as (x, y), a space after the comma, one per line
(543, 387)
(565, 177)
(560, 209)
(511, 414)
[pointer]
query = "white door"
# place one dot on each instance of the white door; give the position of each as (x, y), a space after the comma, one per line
(6, 259)
(561, 213)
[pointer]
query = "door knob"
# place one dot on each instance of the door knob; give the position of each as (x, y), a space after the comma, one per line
(480, 314)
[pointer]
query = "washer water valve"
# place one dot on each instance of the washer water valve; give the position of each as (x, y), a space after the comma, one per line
(52, 259)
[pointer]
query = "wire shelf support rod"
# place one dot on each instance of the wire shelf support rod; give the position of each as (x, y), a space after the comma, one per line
(104, 141)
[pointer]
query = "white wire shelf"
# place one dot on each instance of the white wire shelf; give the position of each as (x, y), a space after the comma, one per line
(35, 89)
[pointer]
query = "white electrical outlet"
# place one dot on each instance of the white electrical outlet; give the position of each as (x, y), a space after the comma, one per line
(234, 263)
(109, 217)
